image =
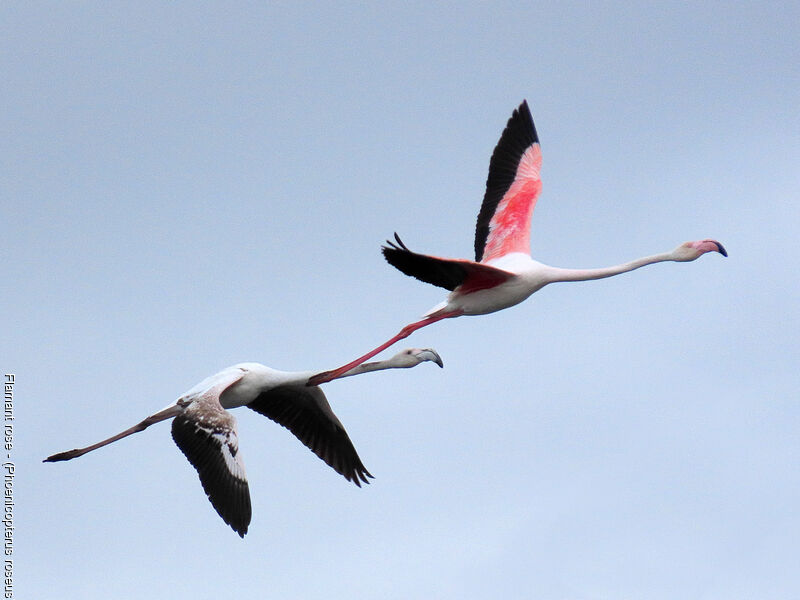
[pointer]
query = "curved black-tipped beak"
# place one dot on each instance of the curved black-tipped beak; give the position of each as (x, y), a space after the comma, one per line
(433, 356)
(721, 249)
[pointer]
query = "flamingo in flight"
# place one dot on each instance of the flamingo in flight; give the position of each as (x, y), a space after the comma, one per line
(503, 273)
(206, 433)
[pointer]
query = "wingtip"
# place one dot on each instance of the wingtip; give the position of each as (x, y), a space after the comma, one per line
(362, 476)
(400, 242)
(396, 245)
(525, 112)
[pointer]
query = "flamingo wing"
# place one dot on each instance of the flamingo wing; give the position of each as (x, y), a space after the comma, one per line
(306, 413)
(206, 434)
(512, 187)
(448, 273)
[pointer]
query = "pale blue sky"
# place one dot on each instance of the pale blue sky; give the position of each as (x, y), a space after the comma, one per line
(188, 186)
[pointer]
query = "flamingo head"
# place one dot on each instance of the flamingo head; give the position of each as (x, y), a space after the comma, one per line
(411, 357)
(694, 250)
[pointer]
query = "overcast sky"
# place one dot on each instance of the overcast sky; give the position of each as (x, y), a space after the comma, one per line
(186, 186)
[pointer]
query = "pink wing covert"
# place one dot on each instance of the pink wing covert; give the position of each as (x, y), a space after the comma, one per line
(512, 188)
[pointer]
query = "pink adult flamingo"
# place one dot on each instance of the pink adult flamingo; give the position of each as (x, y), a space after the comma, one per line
(503, 273)
(206, 433)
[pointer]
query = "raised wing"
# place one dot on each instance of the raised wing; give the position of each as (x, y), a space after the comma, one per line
(447, 273)
(206, 434)
(306, 413)
(512, 187)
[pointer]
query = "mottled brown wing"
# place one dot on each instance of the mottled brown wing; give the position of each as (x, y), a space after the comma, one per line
(306, 413)
(206, 434)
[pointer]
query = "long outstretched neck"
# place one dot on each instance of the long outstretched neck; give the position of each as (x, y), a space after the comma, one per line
(345, 370)
(367, 367)
(558, 274)
(162, 415)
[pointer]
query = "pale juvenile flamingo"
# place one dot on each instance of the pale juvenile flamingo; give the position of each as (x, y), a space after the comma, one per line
(206, 433)
(503, 273)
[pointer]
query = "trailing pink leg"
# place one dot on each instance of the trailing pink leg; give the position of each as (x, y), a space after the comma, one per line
(406, 331)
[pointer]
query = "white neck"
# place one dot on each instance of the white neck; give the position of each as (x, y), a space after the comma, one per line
(264, 379)
(558, 274)
(379, 365)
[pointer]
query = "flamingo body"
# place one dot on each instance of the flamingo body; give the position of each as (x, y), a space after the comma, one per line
(524, 276)
(503, 273)
(206, 432)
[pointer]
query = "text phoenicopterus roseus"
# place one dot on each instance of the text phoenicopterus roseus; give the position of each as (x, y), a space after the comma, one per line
(206, 433)
(503, 273)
